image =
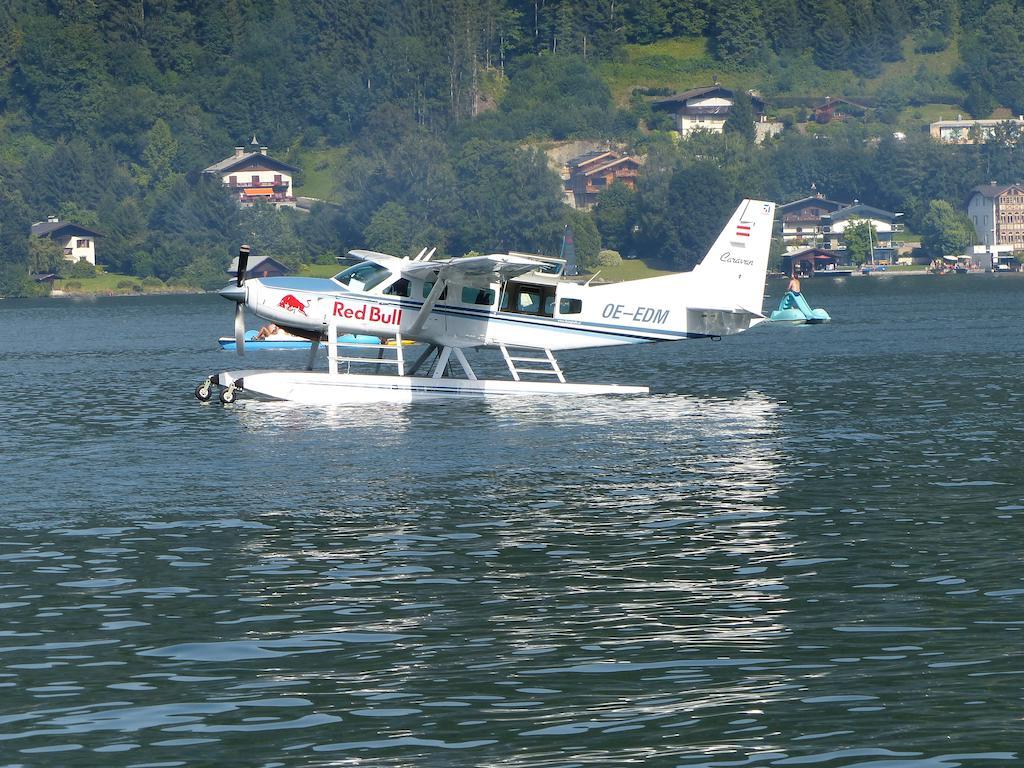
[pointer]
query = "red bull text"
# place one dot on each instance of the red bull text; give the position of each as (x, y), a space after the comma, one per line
(370, 314)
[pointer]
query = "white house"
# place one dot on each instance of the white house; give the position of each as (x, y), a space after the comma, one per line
(707, 108)
(78, 242)
(802, 219)
(997, 212)
(834, 225)
(256, 176)
(962, 131)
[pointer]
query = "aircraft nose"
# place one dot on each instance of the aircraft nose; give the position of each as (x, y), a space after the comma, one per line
(234, 292)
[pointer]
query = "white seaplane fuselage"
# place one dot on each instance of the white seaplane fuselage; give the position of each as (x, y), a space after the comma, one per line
(511, 300)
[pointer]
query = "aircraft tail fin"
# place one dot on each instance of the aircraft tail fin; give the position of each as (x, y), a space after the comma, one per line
(734, 270)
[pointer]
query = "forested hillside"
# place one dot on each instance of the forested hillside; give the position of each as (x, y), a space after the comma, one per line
(433, 112)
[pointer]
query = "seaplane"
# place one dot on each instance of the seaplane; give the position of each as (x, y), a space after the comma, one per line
(523, 306)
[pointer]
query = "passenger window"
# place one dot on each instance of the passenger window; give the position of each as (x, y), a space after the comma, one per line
(570, 306)
(428, 286)
(481, 296)
(399, 288)
(529, 301)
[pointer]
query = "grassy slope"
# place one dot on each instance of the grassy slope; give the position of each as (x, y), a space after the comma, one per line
(684, 63)
(106, 283)
(633, 269)
(319, 172)
(319, 270)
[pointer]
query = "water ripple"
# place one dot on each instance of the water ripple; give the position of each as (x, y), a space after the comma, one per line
(802, 549)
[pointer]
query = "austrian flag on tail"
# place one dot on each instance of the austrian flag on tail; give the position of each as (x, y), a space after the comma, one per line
(743, 229)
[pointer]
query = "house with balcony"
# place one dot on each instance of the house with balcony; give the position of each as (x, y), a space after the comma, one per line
(997, 212)
(256, 177)
(707, 108)
(801, 219)
(591, 173)
(78, 242)
(834, 226)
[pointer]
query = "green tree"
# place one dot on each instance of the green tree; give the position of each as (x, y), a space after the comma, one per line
(77, 269)
(553, 96)
(686, 17)
(785, 36)
(615, 215)
(831, 36)
(45, 256)
(945, 231)
(390, 230)
(992, 54)
(159, 154)
(585, 236)
(507, 198)
(61, 69)
(741, 117)
(14, 227)
(271, 232)
(865, 52)
(860, 237)
(739, 32)
(682, 209)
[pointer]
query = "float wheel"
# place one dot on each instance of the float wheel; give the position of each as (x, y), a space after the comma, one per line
(203, 391)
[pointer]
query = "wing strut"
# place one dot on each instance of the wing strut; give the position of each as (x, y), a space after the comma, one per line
(428, 306)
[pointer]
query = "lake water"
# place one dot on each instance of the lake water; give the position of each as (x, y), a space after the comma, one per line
(803, 549)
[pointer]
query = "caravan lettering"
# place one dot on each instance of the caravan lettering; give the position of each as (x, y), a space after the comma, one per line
(370, 314)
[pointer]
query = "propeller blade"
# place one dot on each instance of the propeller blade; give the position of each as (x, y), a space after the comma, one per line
(240, 328)
(243, 264)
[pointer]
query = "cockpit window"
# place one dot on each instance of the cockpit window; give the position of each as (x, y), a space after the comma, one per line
(363, 277)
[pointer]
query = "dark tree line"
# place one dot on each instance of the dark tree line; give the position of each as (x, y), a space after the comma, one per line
(109, 109)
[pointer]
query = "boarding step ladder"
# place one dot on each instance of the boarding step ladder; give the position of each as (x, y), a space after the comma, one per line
(333, 358)
(511, 359)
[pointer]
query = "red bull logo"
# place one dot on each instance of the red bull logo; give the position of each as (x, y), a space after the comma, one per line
(292, 304)
(368, 313)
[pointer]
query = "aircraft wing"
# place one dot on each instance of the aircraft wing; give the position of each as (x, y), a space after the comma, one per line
(496, 266)
(394, 263)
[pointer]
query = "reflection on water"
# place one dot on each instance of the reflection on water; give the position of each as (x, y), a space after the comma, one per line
(796, 553)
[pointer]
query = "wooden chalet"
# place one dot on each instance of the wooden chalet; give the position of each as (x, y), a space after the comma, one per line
(705, 108)
(593, 172)
(255, 176)
(261, 266)
(801, 219)
(78, 242)
(837, 110)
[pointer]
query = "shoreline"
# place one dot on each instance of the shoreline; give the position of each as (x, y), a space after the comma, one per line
(60, 294)
(776, 276)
